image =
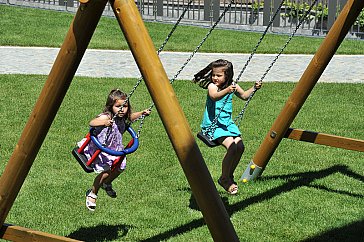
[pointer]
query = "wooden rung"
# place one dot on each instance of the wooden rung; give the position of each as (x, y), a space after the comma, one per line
(17, 233)
(325, 139)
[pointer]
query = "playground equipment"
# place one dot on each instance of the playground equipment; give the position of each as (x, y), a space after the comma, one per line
(86, 164)
(55, 88)
(141, 119)
(280, 128)
(191, 160)
(207, 135)
(77, 152)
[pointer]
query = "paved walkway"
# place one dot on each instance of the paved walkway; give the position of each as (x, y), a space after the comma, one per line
(96, 63)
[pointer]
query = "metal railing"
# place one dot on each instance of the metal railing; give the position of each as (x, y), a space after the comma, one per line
(251, 15)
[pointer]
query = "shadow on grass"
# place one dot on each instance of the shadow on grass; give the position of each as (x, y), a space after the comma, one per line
(294, 181)
(100, 232)
(353, 232)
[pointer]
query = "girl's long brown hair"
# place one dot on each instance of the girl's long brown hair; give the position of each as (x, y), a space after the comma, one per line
(206, 73)
(113, 96)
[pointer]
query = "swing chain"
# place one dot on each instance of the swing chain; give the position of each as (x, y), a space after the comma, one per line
(164, 43)
(140, 125)
(211, 129)
(158, 52)
(175, 26)
(188, 60)
(239, 117)
(201, 43)
(260, 40)
(289, 39)
(241, 114)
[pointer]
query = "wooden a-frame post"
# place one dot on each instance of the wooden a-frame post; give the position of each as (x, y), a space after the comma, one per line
(316, 67)
(169, 110)
(42, 116)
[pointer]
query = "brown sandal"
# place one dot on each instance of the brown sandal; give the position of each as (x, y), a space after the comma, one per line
(232, 189)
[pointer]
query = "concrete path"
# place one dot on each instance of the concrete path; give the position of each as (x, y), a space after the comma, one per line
(97, 63)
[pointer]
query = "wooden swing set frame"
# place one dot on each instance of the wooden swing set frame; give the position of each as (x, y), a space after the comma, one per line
(281, 126)
(169, 110)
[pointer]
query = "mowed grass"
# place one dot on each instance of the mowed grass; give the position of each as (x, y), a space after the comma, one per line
(33, 27)
(307, 192)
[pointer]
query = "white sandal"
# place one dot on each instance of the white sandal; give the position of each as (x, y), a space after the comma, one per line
(89, 204)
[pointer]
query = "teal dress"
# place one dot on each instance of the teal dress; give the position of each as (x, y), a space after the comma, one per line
(225, 125)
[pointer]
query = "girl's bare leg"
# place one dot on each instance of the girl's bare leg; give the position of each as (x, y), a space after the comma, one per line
(228, 143)
(99, 179)
(113, 175)
(234, 150)
(239, 152)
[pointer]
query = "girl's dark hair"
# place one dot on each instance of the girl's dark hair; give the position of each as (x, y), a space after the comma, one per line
(113, 96)
(203, 77)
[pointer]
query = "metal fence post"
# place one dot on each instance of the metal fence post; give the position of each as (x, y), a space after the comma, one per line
(332, 9)
(206, 10)
(342, 4)
(211, 10)
(160, 8)
(276, 21)
(70, 3)
(66, 3)
(266, 12)
(216, 10)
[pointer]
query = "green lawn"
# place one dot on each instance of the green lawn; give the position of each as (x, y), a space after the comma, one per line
(33, 27)
(307, 191)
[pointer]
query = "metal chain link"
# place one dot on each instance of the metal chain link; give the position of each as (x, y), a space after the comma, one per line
(201, 43)
(260, 40)
(163, 45)
(241, 114)
(141, 78)
(189, 59)
(158, 52)
(211, 129)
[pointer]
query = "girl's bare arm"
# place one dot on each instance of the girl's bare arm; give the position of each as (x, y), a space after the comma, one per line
(137, 115)
(216, 95)
(102, 120)
(244, 95)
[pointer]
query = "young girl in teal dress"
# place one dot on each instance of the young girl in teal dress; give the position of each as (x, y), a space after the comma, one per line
(219, 83)
(111, 125)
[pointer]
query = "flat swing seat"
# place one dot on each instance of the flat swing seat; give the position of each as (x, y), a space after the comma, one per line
(86, 164)
(204, 138)
(82, 160)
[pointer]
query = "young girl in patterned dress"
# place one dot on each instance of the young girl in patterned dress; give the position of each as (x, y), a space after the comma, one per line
(219, 75)
(111, 125)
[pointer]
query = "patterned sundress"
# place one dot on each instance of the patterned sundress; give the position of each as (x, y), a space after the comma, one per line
(114, 140)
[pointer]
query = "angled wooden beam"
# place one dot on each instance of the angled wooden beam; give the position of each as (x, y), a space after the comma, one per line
(17, 233)
(325, 139)
(174, 121)
(48, 103)
(308, 80)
